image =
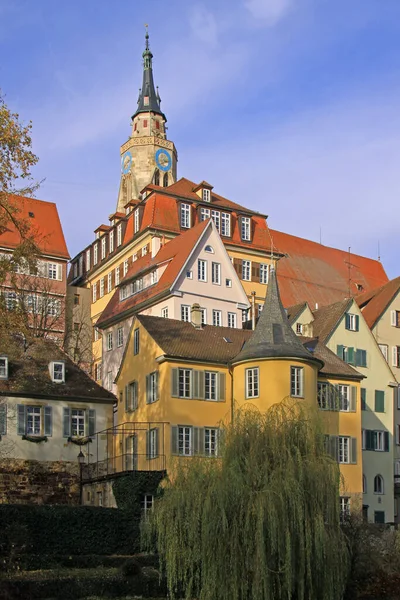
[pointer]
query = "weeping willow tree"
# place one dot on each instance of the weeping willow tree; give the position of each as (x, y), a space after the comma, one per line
(260, 523)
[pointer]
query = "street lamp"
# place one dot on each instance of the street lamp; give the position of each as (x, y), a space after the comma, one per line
(81, 460)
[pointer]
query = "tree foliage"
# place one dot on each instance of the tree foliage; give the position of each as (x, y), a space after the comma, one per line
(261, 523)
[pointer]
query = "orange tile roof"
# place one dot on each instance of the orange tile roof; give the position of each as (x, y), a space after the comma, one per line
(375, 302)
(45, 227)
(176, 252)
(319, 274)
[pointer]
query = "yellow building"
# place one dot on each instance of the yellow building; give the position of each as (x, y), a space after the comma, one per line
(179, 382)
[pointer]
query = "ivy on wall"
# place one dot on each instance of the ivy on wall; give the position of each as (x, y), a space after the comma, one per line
(131, 487)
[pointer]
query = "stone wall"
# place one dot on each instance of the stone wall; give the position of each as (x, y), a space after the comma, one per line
(38, 482)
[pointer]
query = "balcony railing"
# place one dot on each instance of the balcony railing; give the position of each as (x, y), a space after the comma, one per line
(123, 463)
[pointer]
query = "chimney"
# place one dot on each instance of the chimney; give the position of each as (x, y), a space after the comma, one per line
(155, 246)
(196, 316)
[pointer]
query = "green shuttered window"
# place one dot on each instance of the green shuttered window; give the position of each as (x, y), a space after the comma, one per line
(379, 401)
(198, 385)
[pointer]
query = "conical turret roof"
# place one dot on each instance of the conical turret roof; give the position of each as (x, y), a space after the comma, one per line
(149, 99)
(273, 336)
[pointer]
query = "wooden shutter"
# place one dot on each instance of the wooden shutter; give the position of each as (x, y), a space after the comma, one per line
(3, 419)
(147, 389)
(92, 422)
(374, 440)
(255, 271)
(157, 436)
(350, 356)
(237, 265)
(147, 445)
(386, 436)
(196, 440)
(21, 419)
(363, 399)
(201, 441)
(202, 378)
(59, 272)
(353, 398)
(157, 386)
(67, 422)
(394, 356)
(379, 401)
(174, 383)
(369, 440)
(48, 420)
(174, 440)
(333, 447)
(195, 384)
(353, 457)
(357, 323)
(393, 318)
(339, 351)
(127, 407)
(221, 387)
(347, 320)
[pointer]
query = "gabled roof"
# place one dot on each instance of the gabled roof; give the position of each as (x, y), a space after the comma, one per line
(327, 318)
(375, 302)
(29, 373)
(176, 253)
(333, 365)
(293, 312)
(319, 274)
(45, 226)
(273, 336)
(180, 340)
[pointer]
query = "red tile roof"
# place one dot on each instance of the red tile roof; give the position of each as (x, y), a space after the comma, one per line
(318, 274)
(375, 302)
(45, 227)
(177, 249)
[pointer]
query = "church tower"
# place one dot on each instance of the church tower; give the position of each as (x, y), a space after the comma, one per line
(147, 157)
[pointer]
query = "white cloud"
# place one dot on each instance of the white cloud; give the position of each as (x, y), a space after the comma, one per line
(203, 25)
(270, 12)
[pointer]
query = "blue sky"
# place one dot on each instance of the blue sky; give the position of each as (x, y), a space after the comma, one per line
(290, 107)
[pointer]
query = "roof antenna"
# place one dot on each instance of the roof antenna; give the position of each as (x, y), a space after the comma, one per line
(379, 252)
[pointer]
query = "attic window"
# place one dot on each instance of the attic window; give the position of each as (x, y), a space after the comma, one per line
(227, 340)
(206, 195)
(359, 287)
(57, 370)
(31, 214)
(3, 367)
(209, 249)
(299, 328)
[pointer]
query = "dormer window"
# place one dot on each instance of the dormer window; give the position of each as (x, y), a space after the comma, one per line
(136, 221)
(57, 370)
(185, 215)
(245, 229)
(3, 367)
(111, 241)
(95, 254)
(103, 248)
(119, 234)
(206, 195)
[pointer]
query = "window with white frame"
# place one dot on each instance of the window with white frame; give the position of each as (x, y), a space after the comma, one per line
(120, 337)
(52, 270)
(395, 318)
(152, 387)
(217, 318)
(184, 383)
(246, 270)
(111, 241)
(53, 307)
(204, 214)
(297, 382)
(264, 273)
(228, 283)
(245, 229)
(136, 341)
(95, 254)
(109, 283)
(87, 259)
(232, 320)
(97, 371)
(33, 420)
(189, 274)
(94, 292)
(216, 273)
(380, 441)
(101, 287)
(206, 194)
(344, 397)
(252, 386)
(103, 247)
(153, 443)
(245, 315)
(125, 267)
(344, 507)
(77, 422)
(109, 381)
(185, 215)
(136, 220)
(299, 328)
(10, 299)
(58, 372)
(211, 385)
(216, 217)
(109, 340)
(3, 367)
(344, 449)
(116, 275)
(378, 485)
(185, 312)
(153, 277)
(81, 264)
(185, 441)
(131, 396)
(203, 312)
(396, 356)
(144, 250)
(211, 441)
(146, 504)
(209, 249)
(119, 234)
(164, 312)
(202, 269)
(323, 395)
(385, 350)
(225, 224)
(351, 322)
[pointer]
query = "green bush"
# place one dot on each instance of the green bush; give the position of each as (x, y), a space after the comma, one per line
(131, 568)
(71, 530)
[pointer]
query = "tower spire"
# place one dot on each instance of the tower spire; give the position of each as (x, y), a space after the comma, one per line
(149, 100)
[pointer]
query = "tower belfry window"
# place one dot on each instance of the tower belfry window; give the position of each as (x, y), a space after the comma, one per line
(156, 177)
(165, 180)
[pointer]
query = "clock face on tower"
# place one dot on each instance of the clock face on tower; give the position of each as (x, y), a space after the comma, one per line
(126, 162)
(163, 159)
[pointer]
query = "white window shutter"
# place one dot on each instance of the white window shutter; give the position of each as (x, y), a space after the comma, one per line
(393, 318)
(59, 272)
(394, 356)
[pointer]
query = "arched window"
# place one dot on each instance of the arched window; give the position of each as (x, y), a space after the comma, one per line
(165, 180)
(209, 249)
(378, 485)
(156, 177)
(364, 483)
